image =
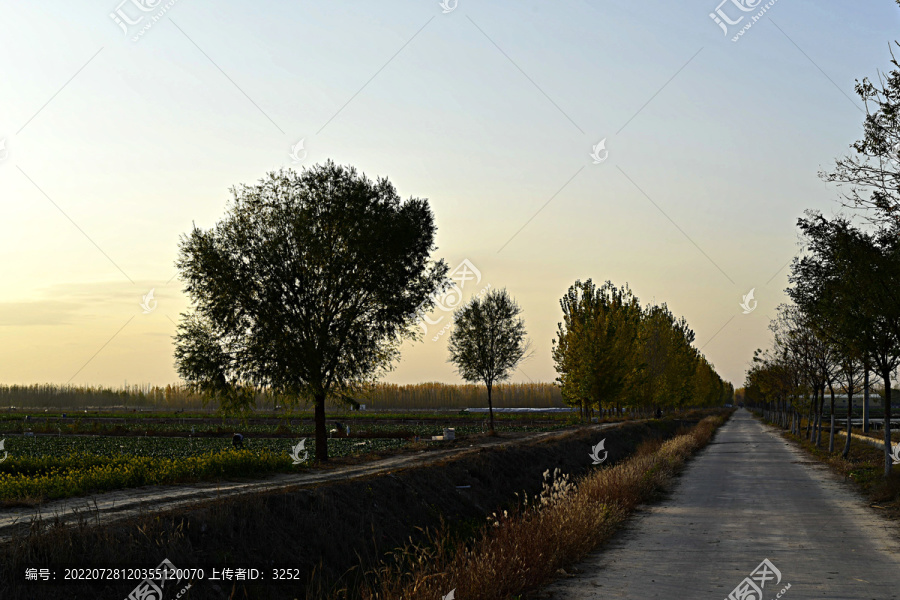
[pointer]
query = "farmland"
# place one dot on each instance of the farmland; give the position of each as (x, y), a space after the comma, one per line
(293, 519)
(47, 467)
(51, 457)
(65, 441)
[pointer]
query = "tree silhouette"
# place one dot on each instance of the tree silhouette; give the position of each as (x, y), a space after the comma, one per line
(305, 288)
(488, 341)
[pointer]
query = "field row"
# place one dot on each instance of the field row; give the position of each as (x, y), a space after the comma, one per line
(48, 467)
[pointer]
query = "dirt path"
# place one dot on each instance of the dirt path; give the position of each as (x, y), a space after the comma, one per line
(112, 506)
(749, 496)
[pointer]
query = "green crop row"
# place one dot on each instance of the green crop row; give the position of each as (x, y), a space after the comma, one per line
(48, 467)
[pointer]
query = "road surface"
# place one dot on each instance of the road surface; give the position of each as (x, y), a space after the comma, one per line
(749, 496)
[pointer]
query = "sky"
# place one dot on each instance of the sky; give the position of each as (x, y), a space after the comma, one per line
(636, 142)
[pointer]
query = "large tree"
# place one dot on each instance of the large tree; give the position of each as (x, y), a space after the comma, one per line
(488, 341)
(305, 288)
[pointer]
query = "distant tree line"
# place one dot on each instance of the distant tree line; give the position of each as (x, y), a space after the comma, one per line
(612, 353)
(170, 397)
(381, 396)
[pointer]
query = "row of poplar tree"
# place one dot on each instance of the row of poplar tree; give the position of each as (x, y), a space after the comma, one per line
(844, 319)
(611, 353)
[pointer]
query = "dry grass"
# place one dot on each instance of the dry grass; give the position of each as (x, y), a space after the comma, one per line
(525, 549)
(309, 527)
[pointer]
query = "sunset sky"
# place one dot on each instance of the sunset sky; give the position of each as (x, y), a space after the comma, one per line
(115, 142)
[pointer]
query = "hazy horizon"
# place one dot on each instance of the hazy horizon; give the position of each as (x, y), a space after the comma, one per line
(112, 148)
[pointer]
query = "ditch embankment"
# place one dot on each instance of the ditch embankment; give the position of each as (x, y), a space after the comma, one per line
(329, 532)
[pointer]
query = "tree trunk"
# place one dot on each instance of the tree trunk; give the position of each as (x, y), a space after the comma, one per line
(866, 400)
(846, 451)
(321, 435)
(490, 407)
(813, 414)
(831, 432)
(809, 414)
(815, 431)
(886, 376)
(821, 417)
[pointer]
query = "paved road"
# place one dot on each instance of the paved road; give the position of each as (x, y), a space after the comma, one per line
(747, 497)
(112, 506)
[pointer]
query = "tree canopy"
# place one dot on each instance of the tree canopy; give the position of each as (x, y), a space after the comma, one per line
(306, 287)
(610, 351)
(488, 340)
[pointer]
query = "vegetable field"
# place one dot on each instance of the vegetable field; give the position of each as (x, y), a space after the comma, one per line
(49, 467)
(65, 457)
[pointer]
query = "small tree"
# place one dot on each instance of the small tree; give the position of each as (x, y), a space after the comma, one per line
(488, 341)
(306, 288)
